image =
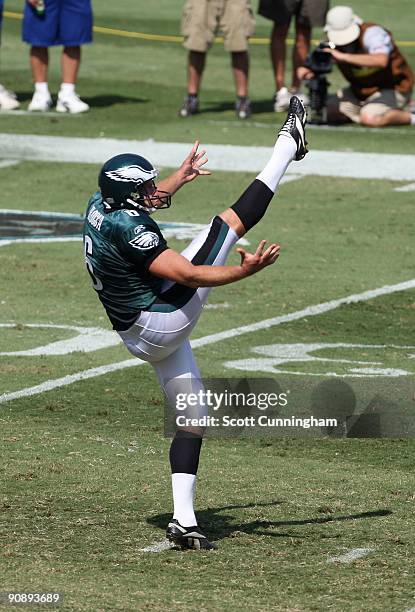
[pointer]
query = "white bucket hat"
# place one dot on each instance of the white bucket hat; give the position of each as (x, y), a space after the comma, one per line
(342, 25)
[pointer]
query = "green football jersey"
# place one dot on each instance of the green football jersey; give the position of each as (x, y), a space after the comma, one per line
(119, 247)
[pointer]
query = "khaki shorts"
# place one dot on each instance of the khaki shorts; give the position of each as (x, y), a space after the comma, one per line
(202, 19)
(374, 106)
(311, 13)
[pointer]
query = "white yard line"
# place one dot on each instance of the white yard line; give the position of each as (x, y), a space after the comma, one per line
(353, 129)
(310, 311)
(86, 340)
(6, 163)
(410, 187)
(40, 213)
(48, 385)
(351, 555)
(40, 240)
(221, 157)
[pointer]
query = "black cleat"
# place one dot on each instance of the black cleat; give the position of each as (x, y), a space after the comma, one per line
(294, 126)
(187, 538)
(243, 108)
(190, 106)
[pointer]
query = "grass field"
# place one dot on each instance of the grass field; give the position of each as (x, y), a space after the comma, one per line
(85, 483)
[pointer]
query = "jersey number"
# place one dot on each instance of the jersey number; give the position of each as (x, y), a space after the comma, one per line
(97, 284)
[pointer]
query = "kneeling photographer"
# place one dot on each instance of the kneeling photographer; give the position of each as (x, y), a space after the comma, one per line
(380, 79)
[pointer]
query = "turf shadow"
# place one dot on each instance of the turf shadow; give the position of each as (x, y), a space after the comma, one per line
(221, 526)
(258, 107)
(98, 101)
(111, 100)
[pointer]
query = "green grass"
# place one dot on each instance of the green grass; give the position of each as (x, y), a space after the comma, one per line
(85, 467)
(84, 470)
(86, 490)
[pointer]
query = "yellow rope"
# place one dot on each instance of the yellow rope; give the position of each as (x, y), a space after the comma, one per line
(179, 39)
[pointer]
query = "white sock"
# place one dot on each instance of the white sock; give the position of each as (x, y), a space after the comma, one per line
(284, 152)
(67, 89)
(412, 118)
(42, 88)
(183, 486)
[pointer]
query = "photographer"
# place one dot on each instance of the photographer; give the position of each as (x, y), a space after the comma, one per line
(380, 78)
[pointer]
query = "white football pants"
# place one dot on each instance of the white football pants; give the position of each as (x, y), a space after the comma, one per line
(160, 334)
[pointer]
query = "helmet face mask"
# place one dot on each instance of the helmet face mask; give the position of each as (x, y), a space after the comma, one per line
(147, 197)
(127, 182)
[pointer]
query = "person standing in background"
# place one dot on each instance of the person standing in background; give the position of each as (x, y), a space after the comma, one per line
(200, 22)
(308, 14)
(8, 99)
(48, 23)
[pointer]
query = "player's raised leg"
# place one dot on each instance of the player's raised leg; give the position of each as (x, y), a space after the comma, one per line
(291, 145)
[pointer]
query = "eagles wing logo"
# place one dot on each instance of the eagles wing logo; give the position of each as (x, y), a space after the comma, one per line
(132, 173)
(145, 241)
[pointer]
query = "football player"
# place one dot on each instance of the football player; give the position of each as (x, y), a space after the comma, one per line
(154, 296)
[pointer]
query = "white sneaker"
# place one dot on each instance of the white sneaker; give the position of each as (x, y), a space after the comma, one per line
(71, 104)
(40, 102)
(303, 97)
(282, 100)
(283, 97)
(8, 99)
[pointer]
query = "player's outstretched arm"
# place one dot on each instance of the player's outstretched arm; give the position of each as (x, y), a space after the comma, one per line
(173, 266)
(190, 169)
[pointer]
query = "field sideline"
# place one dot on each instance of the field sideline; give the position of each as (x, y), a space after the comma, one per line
(221, 157)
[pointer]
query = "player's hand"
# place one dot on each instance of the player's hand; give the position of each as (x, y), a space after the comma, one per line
(254, 262)
(192, 165)
(32, 2)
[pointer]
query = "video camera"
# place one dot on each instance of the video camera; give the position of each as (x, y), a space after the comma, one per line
(321, 63)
